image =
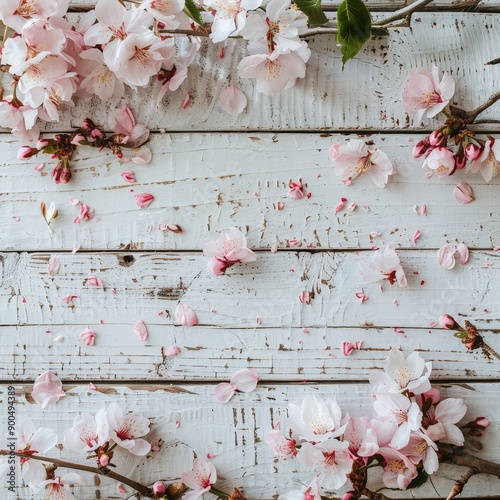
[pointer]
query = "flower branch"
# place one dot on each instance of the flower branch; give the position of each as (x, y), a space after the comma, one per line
(140, 488)
(472, 115)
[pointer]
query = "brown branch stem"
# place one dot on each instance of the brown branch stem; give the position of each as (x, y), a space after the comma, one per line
(143, 490)
(472, 115)
(373, 495)
(459, 485)
(466, 460)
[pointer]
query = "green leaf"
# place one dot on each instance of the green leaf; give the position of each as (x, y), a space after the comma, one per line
(460, 335)
(421, 478)
(377, 31)
(355, 24)
(312, 9)
(191, 10)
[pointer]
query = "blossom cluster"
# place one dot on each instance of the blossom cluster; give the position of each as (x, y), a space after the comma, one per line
(452, 146)
(52, 60)
(411, 421)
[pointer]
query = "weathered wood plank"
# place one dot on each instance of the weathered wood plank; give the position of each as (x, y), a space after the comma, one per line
(235, 434)
(147, 284)
(213, 181)
(209, 353)
(363, 96)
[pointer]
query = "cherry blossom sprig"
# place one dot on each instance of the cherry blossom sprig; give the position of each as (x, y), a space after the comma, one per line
(127, 134)
(414, 429)
(452, 146)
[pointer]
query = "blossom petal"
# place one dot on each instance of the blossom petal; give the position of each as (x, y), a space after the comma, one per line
(245, 380)
(223, 392)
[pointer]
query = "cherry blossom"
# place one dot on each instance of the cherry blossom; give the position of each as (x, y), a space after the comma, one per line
(57, 488)
(402, 374)
(47, 389)
(427, 93)
(385, 265)
(311, 492)
(229, 249)
(441, 160)
(200, 479)
(421, 448)
(446, 255)
(127, 430)
(15, 13)
(315, 420)
(122, 121)
(333, 458)
(230, 16)
(399, 471)
(20, 119)
(361, 436)
(282, 446)
(164, 11)
(87, 434)
(440, 420)
(488, 163)
(32, 441)
(98, 78)
(356, 158)
(233, 100)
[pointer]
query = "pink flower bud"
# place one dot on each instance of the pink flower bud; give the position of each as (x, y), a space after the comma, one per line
(103, 460)
(159, 488)
(26, 152)
(56, 173)
(65, 175)
(420, 148)
(481, 422)
(459, 162)
(96, 133)
(433, 394)
(77, 139)
(472, 151)
(42, 143)
(448, 322)
(437, 138)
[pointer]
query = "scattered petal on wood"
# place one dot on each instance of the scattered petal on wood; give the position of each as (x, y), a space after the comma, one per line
(464, 252)
(54, 265)
(47, 389)
(93, 281)
(185, 315)
(172, 350)
(140, 330)
(463, 193)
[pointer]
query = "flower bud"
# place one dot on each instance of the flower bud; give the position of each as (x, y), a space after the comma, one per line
(159, 488)
(420, 148)
(176, 490)
(477, 432)
(65, 175)
(433, 394)
(26, 152)
(437, 138)
(42, 143)
(104, 460)
(448, 322)
(472, 152)
(481, 422)
(56, 173)
(96, 133)
(348, 496)
(460, 162)
(237, 495)
(77, 139)
(88, 124)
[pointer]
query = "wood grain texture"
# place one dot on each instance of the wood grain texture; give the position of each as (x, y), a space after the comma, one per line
(147, 284)
(365, 96)
(235, 433)
(210, 182)
(211, 353)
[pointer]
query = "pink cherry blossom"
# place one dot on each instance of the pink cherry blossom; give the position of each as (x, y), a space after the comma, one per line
(399, 471)
(463, 193)
(87, 433)
(356, 158)
(446, 256)
(233, 100)
(47, 389)
(243, 380)
(33, 440)
(427, 93)
(333, 458)
(88, 336)
(229, 249)
(282, 446)
(488, 163)
(143, 156)
(440, 420)
(143, 200)
(276, 71)
(402, 374)
(20, 118)
(122, 121)
(361, 437)
(441, 160)
(315, 420)
(421, 448)
(200, 479)
(311, 492)
(385, 265)
(126, 430)
(140, 330)
(58, 488)
(164, 11)
(15, 13)
(185, 315)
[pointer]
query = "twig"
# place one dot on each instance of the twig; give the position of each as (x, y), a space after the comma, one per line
(459, 485)
(373, 495)
(143, 490)
(480, 122)
(403, 13)
(466, 460)
(494, 61)
(471, 115)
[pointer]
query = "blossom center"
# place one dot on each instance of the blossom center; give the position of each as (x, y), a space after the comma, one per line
(431, 98)
(26, 8)
(402, 376)
(391, 277)
(395, 465)
(118, 32)
(161, 5)
(364, 165)
(329, 458)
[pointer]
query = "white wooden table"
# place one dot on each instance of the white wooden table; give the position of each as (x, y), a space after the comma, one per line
(211, 171)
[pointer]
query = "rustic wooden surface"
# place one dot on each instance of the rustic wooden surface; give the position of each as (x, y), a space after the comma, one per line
(206, 179)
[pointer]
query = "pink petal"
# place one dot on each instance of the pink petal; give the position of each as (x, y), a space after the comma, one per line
(280, 205)
(69, 298)
(352, 207)
(296, 190)
(74, 201)
(76, 247)
(88, 336)
(185, 315)
(47, 389)
(143, 200)
(172, 350)
(140, 330)
(245, 380)
(93, 281)
(464, 253)
(416, 236)
(121, 489)
(92, 386)
(347, 348)
(446, 256)
(305, 297)
(143, 156)
(423, 210)
(39, 167)
(463, 193)
(128, 176)
(339, 207)
(233, 100)
(174, 228)
(223, 392)
(185, 104)
(54, 265)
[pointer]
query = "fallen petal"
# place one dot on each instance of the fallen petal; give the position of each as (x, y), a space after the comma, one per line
(464, 253)
(140, 330)
(233, 100)
(172, 350)
(223, 392)
(54, 265)
(463, 193)
(245, 380)
(185, 315)
(446, 256)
